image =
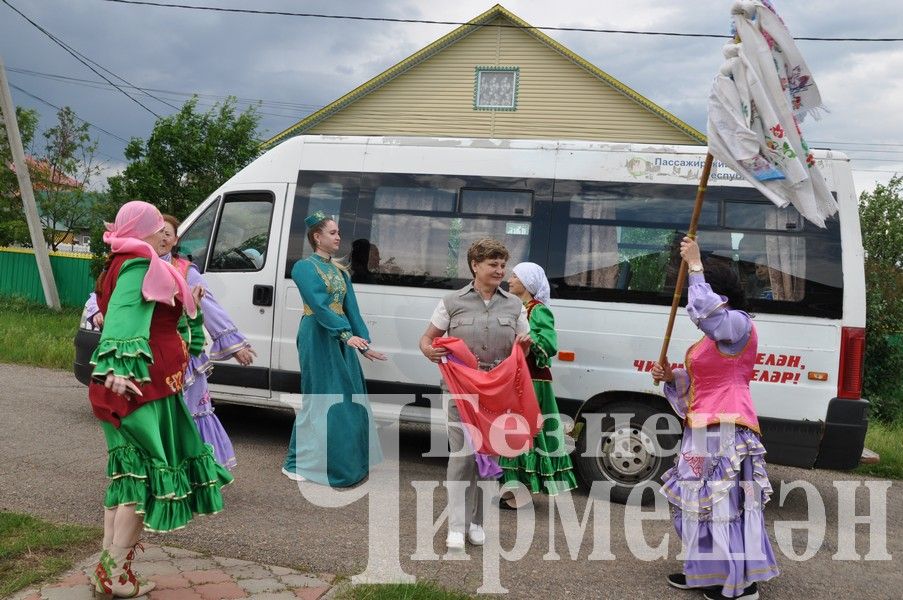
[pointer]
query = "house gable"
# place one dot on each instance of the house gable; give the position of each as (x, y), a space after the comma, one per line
(559, 94)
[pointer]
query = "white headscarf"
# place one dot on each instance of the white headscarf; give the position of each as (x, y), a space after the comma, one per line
(534, 279)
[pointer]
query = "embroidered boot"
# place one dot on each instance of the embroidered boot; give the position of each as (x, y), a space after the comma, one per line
(113, 581)
(145, 585)
(102, 576)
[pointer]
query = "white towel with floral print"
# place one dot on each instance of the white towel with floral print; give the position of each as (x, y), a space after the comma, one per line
(762, 89)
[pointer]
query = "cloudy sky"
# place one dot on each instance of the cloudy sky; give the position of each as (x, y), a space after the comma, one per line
(296, 65)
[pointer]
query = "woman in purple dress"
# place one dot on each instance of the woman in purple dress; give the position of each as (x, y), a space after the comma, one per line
(719, 485)
(227, 342)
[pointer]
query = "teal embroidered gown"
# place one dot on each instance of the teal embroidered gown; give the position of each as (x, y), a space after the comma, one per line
(334, 441)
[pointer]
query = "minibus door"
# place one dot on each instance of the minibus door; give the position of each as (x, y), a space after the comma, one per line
(240, 270)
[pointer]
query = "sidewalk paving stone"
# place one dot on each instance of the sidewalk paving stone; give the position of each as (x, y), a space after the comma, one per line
(208, 576)
(186, 575)
(302, 581)
(273, 596)
(311, 593)
(255, 586)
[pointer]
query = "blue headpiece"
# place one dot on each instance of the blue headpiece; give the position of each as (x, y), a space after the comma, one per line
(315, 218)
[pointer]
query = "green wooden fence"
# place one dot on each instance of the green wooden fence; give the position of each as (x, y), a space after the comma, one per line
(19, 275)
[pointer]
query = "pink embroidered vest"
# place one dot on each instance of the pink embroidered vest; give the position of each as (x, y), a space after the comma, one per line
(719, 384)
(181, 265)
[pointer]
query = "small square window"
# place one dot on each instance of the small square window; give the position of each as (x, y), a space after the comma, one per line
(495, 88)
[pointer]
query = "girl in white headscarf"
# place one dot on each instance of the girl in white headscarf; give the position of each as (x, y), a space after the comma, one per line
(546, 467)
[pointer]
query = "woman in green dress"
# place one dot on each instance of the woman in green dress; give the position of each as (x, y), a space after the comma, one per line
(334, 441)
(161, 473)
(546, 467)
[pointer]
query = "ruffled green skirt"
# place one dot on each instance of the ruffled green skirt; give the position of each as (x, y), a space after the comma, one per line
(158, 463)
(546, 467)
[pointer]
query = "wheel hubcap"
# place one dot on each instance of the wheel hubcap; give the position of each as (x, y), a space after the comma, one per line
(627, 455)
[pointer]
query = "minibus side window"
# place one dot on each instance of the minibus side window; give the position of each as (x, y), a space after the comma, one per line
(243, 232)
(622, 245)
(619, 236)
(416, 229)
(194, 241)
(335, 194)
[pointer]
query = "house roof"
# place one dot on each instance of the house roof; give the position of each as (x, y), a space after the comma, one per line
(427, 52)
(45, 177)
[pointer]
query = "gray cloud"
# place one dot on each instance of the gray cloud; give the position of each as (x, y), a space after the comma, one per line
(310, 62)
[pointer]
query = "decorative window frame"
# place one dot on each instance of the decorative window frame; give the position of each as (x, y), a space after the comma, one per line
(478, 70)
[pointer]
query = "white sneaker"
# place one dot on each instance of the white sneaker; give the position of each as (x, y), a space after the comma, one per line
(455, 540)
(476, 535)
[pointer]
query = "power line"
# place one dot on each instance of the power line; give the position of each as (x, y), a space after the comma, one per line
(79, 57)
(92, 83)
(52, 105)
(860, 144)
(282, 13)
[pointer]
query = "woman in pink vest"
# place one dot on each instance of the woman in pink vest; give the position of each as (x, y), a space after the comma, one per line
(719, 485)
(226, 342)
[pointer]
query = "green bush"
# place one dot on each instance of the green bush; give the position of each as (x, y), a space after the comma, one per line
(881, 220)
(882, 385)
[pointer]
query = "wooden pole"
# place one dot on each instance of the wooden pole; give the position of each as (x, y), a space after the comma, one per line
(682, 273)
(31, 210)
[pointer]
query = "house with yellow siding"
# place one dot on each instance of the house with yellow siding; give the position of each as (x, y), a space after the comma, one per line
(497, 77)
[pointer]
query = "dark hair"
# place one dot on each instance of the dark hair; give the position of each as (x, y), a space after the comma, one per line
(485, 249)
(360, 254)
(175, 227)
(103, 273)
(724, 281)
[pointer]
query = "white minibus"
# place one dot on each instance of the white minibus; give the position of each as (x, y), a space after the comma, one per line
(603, 219)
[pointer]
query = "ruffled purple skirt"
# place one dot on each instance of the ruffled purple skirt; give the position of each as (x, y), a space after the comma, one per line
(718, 489)
(197, 399)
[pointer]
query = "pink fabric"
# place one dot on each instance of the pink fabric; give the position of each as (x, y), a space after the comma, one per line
(719, 384)
(163, 283)
(506, 416)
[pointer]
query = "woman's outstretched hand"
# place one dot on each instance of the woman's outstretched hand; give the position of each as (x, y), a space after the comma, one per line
(525, 341)
(374, 355)
(358, 343)
(245, 356)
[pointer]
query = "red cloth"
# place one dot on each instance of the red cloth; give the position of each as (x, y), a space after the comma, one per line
(505, 417)
(170, 356)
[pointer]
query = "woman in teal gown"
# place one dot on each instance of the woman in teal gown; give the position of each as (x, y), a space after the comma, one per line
(334, 441)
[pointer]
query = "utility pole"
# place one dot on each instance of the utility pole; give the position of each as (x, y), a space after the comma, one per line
(31, 210)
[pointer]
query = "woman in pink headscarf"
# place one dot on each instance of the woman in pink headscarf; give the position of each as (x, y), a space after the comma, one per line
(161, 473)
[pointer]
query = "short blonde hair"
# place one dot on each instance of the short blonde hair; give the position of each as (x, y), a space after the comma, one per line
(485, 249)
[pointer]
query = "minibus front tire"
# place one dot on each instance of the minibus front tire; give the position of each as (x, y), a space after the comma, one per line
(628, 453)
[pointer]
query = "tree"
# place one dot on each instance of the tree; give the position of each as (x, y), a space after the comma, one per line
(13, 227)
(881, 220)
(61, 177)
(187, 156)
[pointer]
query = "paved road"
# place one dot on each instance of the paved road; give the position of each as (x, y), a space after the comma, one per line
(52, 462)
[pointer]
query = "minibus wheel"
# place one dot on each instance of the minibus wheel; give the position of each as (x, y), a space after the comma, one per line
(626, 453)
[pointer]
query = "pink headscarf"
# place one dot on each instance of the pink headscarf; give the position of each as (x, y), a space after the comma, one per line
(163, 283)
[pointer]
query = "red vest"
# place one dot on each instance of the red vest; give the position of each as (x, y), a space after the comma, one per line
(170, 356)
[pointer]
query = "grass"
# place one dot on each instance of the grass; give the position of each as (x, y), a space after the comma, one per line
(32, 334)
(422, 590)
(32, 550)
(887, 441)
